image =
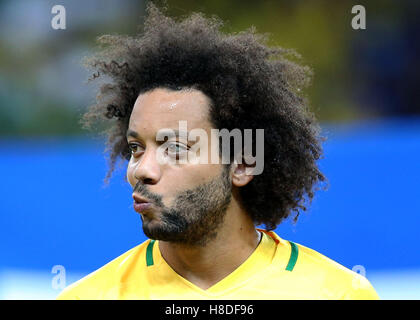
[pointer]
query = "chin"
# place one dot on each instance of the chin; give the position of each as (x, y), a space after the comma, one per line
(154, 230)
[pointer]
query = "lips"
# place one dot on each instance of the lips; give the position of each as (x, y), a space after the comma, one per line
(140, 203)
(141, 207)
(137, 198)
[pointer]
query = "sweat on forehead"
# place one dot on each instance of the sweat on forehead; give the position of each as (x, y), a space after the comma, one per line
(162, 108)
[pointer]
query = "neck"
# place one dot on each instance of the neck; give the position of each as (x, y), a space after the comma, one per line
(206, 265)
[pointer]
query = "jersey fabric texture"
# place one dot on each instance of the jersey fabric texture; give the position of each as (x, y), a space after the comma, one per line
(277, 269)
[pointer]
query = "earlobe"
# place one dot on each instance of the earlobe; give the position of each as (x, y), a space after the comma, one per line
(239, 176)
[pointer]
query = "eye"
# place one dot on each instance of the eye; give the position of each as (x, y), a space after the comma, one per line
(177, 149)
(135, 149)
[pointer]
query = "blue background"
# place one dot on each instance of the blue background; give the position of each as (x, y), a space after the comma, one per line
(55, 209)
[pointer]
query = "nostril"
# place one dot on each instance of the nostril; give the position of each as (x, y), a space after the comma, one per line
(147, 181)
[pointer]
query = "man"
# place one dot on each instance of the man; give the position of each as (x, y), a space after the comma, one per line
(201, 216)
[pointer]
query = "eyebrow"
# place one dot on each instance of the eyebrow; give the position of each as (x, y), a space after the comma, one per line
(131, 133)
(134, 134)
(176, 131)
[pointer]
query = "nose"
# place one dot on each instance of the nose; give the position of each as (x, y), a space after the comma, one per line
(148, 169)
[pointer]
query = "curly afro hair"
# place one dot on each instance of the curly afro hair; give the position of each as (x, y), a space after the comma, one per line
(250, 85)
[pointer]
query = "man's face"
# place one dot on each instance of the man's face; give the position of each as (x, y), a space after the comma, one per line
(188, 201)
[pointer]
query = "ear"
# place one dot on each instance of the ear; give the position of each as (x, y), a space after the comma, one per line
(239, 176)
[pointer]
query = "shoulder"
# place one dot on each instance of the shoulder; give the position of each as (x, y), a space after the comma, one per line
(101, 283)
(327, 277)
(337, 281)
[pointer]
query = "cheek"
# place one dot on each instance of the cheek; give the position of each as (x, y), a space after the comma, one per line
(130, 173)
(197, 174)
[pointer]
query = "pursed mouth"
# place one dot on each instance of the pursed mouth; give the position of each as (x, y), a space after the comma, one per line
(141, 207)
(141, 204)
(138, 199)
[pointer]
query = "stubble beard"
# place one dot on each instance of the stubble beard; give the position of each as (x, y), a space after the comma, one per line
(196, 215)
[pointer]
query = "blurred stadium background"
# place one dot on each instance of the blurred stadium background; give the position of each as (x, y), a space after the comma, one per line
(55, 210)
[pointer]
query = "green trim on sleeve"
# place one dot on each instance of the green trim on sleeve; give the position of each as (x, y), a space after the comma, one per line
(293, 256)
(149, 253)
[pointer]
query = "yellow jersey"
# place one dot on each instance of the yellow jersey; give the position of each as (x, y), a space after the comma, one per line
(277, 269)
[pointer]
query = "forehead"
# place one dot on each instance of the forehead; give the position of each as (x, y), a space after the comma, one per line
(164, 108)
